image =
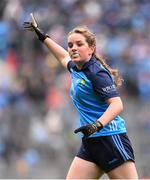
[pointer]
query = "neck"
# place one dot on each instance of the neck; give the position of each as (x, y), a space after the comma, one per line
(80, 64)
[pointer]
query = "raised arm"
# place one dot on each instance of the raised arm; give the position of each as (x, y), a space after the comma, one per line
(58, 51)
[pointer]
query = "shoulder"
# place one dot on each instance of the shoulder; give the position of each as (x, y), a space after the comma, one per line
(102, 80)
(97, 71)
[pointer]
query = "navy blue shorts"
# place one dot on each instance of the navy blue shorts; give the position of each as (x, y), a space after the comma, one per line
(108, 152)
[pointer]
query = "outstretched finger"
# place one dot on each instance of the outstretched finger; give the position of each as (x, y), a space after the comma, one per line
(34, 22)
(78, 130)
(27, 25)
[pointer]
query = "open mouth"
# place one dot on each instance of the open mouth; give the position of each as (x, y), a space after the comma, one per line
(75, 55)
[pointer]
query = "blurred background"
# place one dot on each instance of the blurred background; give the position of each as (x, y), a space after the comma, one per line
(37, 117)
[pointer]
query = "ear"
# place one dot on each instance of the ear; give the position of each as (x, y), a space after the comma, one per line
(92, 49)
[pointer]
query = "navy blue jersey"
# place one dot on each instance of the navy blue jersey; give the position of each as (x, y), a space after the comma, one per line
(90, 88)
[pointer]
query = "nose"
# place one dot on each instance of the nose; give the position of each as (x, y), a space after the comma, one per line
(74, 47)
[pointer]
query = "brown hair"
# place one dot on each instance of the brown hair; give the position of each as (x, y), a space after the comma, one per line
(91, 40)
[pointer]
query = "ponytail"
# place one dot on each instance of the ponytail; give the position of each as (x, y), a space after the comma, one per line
(113, 71)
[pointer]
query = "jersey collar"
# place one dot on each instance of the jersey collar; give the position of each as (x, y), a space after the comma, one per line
(86, 65)
(90, 62)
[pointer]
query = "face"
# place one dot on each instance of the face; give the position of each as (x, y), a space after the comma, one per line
(78, 49)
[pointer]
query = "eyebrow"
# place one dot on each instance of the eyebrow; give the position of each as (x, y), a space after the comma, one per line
(76, 41)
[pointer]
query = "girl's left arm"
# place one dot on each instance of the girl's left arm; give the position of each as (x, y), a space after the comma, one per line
(115, 108)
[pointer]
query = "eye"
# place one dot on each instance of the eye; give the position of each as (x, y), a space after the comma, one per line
(79, 44)
(70, 45)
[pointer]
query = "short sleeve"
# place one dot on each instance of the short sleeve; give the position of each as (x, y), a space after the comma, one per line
(103, 84)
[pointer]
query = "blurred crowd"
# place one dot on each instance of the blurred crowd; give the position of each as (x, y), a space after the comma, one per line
(35, 109)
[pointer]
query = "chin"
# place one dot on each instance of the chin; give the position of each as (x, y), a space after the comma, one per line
(76, 60)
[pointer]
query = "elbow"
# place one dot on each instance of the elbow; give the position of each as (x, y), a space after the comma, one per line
(116, 103)
(121, 107)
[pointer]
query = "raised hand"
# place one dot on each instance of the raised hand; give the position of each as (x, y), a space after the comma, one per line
(33, 26)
